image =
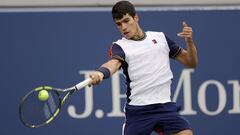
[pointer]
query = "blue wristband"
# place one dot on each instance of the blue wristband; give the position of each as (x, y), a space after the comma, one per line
(105, 71)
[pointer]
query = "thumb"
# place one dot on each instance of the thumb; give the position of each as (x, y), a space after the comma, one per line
(184, 24)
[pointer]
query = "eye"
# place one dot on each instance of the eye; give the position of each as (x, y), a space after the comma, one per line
(118, 24)
(126, 20)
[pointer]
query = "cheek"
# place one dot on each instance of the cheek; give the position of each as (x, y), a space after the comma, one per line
(133, 27)
(119, 28)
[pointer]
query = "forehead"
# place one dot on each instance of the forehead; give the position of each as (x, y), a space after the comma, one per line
(127, 16)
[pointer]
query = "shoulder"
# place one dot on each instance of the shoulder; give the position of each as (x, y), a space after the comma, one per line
(117, 52)
(121, 41)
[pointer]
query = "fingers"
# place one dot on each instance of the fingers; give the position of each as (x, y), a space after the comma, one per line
(184, 24)
(96, 78)
(186, 31)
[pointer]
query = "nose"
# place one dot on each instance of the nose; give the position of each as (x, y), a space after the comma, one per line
(124, 27)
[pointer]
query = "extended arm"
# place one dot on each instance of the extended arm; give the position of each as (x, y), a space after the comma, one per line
(112, 65)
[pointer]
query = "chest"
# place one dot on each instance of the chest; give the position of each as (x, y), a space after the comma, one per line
(148, 49)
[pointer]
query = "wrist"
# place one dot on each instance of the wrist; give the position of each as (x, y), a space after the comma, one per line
(105, 72)
(189, 40)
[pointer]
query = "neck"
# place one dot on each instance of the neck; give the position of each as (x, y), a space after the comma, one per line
(140, 35)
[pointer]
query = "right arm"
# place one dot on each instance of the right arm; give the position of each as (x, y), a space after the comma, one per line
(112, 65)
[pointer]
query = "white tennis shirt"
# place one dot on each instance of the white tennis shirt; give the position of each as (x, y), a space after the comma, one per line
(146, 67)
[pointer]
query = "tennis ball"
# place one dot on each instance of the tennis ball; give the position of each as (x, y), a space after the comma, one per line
(43, 95)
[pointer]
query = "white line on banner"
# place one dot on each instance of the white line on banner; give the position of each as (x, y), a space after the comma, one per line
(104, 9)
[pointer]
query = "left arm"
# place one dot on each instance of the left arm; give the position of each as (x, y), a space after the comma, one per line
(189, 56)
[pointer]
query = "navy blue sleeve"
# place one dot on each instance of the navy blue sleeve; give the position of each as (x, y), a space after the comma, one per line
(117, 52)
(174, 49)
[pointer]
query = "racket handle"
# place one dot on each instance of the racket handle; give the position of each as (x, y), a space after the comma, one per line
(83, 84)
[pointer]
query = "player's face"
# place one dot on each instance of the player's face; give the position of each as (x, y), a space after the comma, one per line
(128, 26)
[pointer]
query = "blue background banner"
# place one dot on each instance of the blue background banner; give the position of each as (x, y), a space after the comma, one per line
(61, 48)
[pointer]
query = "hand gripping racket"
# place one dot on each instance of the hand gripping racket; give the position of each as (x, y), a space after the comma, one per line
(35, 113)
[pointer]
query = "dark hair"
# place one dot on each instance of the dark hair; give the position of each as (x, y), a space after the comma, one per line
(122, 8)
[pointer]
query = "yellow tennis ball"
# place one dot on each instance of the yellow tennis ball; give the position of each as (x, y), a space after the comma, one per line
(43, 95)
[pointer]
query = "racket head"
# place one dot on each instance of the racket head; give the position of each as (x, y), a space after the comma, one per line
(35, 113)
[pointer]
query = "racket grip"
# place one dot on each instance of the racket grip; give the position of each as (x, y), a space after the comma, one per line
(83, 84)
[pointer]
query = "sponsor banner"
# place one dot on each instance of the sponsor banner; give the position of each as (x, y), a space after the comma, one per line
(61, 48)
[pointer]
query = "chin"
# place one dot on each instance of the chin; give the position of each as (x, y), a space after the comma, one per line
(127, 37)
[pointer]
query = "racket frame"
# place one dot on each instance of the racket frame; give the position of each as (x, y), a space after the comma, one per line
(69, 92)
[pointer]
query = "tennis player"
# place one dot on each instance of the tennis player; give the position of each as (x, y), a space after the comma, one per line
(144, 57)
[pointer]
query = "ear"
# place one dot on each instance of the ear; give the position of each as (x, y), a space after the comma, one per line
(136, 18)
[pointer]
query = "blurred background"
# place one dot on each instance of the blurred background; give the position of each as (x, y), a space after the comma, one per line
(58, 42)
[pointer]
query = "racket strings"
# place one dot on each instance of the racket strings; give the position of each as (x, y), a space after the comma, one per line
(35, 112)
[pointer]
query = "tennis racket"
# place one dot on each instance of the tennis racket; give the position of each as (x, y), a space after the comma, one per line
(35, 113)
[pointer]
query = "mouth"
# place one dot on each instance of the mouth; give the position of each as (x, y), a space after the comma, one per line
(125, 33)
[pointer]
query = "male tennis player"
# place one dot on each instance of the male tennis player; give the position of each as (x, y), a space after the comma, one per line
(144, 58)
